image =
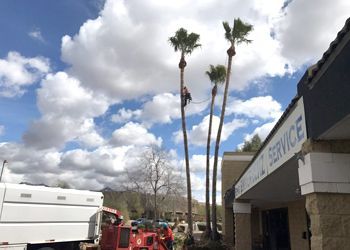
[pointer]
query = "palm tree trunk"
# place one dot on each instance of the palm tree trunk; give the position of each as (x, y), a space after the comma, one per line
(155, 207)
(215, 234)
(188, 176)
(207, 204)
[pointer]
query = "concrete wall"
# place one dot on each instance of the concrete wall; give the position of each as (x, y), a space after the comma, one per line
(330, 220)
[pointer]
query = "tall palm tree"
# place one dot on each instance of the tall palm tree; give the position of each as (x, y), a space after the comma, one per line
(185, 43)
(235, 35)
(217, 76)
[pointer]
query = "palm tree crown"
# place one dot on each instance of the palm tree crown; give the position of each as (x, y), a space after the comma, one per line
(184, 42)
(238, 33)
(216, 74)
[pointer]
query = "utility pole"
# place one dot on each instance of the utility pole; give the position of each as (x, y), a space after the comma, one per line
(3, 166)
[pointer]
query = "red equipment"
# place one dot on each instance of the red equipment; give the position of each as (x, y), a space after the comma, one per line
(120, 237)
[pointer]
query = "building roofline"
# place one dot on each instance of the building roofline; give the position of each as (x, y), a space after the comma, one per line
(316, 69)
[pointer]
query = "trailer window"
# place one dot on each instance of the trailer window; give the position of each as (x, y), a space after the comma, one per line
(201, 227)
(124, 237)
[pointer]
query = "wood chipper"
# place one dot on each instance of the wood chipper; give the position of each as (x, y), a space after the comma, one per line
(116, 236)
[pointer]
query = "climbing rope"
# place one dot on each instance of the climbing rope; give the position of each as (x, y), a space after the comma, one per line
(200, 101)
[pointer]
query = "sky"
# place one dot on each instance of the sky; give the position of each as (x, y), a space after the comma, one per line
(87, 85)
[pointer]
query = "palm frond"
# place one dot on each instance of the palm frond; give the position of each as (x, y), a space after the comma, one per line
(227, 28)
(184, 42)
(192, 42)
(220, 73)
(211, 73)
(241, 30)
(174, 42)
(216, 74)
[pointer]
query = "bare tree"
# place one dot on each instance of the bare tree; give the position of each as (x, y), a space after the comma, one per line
(154, 175)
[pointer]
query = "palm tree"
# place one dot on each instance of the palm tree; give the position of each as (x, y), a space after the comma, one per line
(217, 76)
(185, 43)
(235, 35)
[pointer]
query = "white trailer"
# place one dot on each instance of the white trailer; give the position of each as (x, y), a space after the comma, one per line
(38, 217)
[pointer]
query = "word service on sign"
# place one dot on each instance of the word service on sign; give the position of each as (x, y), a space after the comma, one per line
(285, 142)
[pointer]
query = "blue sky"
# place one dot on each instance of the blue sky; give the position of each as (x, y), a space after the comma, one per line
(86, 85)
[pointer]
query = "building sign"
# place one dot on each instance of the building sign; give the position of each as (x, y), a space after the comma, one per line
(286, 141)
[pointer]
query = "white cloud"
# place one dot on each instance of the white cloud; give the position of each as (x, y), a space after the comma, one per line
(198, 134)
(125, 68)
(262, 131)
(18, 72)
(161, 109)
(197, 182)
(63, 95)
(80, 168)
(76, 159)
(67, 114)
(125, 115)
(198, 188)
(307, 28)
(260, 108)
(134, 134)
(36, 35)
(263, 107)
(54, 132)
(198, 163)
(23, 160)
(88, 134)
(105, 160)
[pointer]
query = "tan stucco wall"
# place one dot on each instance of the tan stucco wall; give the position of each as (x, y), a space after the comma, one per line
(257, 238)
(330, 220)
(230, 172)
(297, 225)
(243, 239)
(228, 225)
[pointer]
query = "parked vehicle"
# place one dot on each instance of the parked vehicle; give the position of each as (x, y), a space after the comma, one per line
(34, 217)
(198, 229)
(160, 222)
(44, 218)
(139, 221)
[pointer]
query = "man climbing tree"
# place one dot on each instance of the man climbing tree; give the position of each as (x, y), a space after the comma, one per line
(186, 96)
